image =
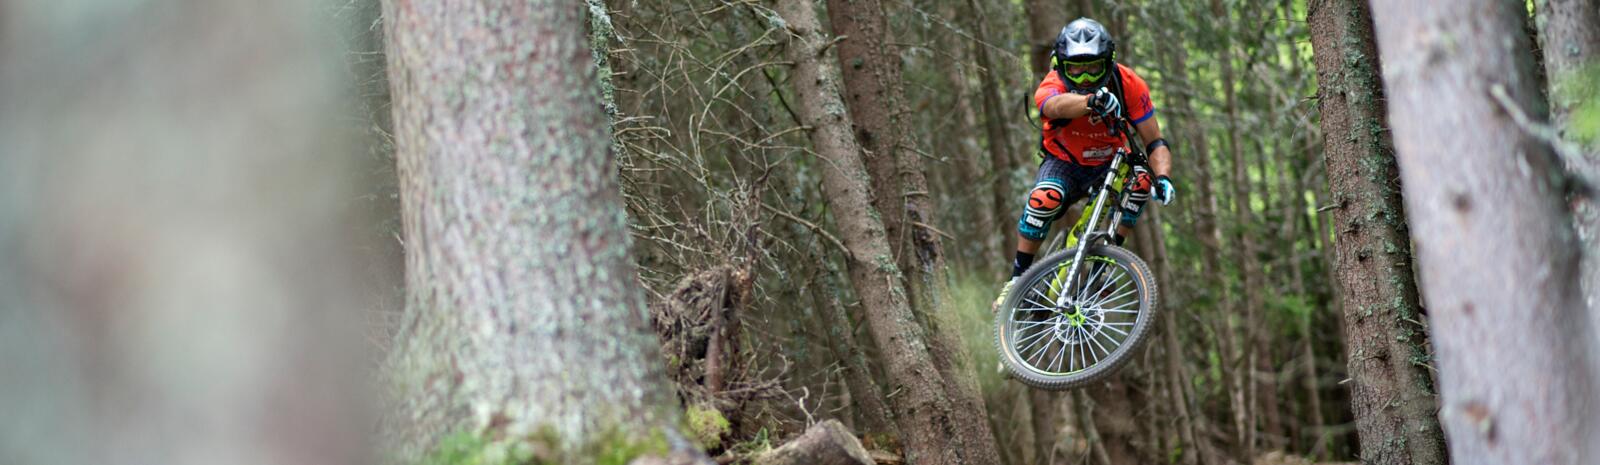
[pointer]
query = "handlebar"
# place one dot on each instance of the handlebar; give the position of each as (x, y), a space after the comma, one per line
(1119, 125)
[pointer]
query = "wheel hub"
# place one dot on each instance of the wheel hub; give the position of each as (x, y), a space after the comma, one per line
(1075, 323)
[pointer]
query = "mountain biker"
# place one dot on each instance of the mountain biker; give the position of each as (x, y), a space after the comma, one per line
(1076, 100)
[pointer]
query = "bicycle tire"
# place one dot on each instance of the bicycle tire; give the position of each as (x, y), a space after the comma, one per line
(1147, 299)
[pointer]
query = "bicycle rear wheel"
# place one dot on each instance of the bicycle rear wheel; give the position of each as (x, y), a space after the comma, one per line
(1054, 338)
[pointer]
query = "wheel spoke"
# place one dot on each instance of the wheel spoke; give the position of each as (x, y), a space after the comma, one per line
(1060, 354)
(1041, 306)
(1102, 291)
(1090, 349)
(1038, 353)
(1034, 323)
(1083, 294)
(1125, 294)
(1036, 340)
(1096, 342)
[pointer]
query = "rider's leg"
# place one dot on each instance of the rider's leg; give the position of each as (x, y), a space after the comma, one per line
(1135, 192)
(1045, 203)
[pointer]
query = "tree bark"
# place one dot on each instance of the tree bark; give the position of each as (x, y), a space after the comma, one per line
(964, 147)
(874, 96)
(1045, 20)
(1570, 34)
(922, 408)
(1391, 392)
(1509, 325)
(864, 390)
(176, 276)
(995, 125)
(1244, 256)
(826, 443)
(519, 279)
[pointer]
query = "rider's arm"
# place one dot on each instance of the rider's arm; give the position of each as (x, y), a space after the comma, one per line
(1065, 105)
(1160, 158)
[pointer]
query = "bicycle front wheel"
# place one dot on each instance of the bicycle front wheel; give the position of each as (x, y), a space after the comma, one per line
(1054, 337)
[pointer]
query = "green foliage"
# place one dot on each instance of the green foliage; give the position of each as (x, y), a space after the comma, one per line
(970, 298)
(461, 448)
(1581, 89)
(614, 448)
(706, 425)
(761, 442)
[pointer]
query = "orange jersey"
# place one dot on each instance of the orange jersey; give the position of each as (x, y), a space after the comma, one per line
(1087, 141)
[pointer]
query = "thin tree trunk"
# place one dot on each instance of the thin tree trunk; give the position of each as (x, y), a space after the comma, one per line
(1045, 20)
(964, 147)
(872, 80)
(866, 395)
(1570, 32)
(1244, 254)
(1045, 422)
(1509, 325)
(994, 122)
(494, 318)
(1391, 393)
(1152, 244)
(922, 408)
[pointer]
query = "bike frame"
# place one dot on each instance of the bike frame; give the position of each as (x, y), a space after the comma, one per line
(1087, 224)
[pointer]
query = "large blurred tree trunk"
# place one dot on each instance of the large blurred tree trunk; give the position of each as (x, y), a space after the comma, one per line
(1495, 243)
(524, 314)
(921, 407)
(875, 98)
(1391, 391)
(175, 267)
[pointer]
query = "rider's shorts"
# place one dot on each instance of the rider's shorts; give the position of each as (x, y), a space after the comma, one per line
(1059, 184)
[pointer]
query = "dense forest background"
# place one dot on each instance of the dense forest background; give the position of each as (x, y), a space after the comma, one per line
(696, 231)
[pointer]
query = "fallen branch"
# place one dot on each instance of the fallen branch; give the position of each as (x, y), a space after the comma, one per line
(826, 443)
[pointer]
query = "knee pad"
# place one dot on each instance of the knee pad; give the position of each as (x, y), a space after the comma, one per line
(1135, 192)
(1045, 203)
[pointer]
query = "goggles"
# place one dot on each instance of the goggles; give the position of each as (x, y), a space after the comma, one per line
(1084, 72)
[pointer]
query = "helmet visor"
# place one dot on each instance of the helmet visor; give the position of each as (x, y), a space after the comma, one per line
(1084, 72)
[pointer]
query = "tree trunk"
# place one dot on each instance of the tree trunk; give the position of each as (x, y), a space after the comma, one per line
(1152, 245)
(519, 280)
(873, 90)
(1045, 422)
(864, 390)
(176, 282)
(994, 121)
(964, 147)
(1570, 32)
(1244, 255)
(1494, 240)
(1391, 393)
(1045, 20)
(922, 407)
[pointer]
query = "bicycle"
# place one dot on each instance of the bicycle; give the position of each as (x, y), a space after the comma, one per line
(1115, 303)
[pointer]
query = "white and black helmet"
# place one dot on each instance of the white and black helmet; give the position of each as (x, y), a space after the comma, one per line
(1084, 40)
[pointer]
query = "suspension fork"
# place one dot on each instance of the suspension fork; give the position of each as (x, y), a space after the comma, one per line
(1090, 233)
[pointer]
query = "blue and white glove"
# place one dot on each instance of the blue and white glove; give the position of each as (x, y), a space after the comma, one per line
(1104, 103)
(1164, 191)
